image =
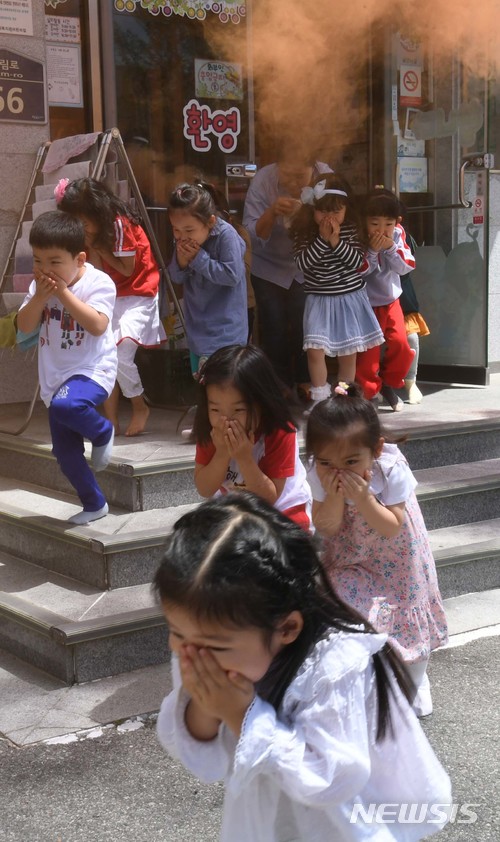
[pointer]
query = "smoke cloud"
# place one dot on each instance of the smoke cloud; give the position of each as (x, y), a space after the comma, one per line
(311, 59)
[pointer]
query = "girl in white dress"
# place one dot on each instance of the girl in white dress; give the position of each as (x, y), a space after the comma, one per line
(284, 692)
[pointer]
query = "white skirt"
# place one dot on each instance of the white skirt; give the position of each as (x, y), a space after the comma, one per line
(137, 317)
(341, 324)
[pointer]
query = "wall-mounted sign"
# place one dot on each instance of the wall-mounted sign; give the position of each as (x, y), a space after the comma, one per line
(16, 17)
(22, 89)
(412, 175)
(200, 121)
(64, 75)
(408, 51)
(217, 79)
(62, 29)
(410, 90)
(228, 11)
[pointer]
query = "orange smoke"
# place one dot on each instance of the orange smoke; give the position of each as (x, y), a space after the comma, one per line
(310, 60)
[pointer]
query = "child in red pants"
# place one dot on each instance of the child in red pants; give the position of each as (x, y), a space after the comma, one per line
(388, 257)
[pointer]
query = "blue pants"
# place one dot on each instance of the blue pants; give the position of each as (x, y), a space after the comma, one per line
(280, 314)
(73, 417)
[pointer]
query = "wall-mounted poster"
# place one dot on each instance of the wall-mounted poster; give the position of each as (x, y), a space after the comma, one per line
(412, 175)
(64, 75)
(62, 29)
(218, 79)
(16, 17)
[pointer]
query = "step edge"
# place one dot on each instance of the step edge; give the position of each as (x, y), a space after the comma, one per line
(41, 450)
(69, 633)
(456, 487)
(462, 554)
(29, 615)
(72, 633)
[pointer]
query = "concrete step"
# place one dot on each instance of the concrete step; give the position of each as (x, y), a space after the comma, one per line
(435, 445)
(120, 550)
(77, 633)
(459, 494)
(467, 557)
(127, 483)
(147, 474)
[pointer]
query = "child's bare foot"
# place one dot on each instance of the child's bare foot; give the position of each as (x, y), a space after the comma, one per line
(140, 415)
(116, 425)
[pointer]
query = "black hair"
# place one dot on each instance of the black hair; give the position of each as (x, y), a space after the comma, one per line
(196, 199)
(219, 198)
(304, 229)
(236, 560)
(350, 415)
(56, 229)
(382, 202)
(89, 198)
(248, 369)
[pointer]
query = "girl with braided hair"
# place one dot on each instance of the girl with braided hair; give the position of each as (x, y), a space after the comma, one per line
(282, 690)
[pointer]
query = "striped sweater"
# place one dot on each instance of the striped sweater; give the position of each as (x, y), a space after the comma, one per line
(331, 271)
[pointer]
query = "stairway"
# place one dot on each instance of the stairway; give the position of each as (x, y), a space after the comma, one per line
(77, 601)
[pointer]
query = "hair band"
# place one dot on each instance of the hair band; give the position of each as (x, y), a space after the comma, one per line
(309, 195)
(60, 189)
(342, 389)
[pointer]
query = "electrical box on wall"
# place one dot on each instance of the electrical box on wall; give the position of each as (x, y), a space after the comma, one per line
(238, 175)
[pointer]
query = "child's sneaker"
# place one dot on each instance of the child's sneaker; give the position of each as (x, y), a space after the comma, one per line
(392, 398)
(318, 394)
(414, 393)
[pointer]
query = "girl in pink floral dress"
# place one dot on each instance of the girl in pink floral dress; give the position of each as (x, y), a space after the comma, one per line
(376, 547)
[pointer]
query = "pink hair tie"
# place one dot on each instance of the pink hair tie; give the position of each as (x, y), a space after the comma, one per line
(60, 189)
(342, 389)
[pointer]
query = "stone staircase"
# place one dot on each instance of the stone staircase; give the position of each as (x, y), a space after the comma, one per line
(76, 601)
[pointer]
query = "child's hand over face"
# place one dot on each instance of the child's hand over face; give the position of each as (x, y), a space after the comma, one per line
(356, 488)
(46, 285)
(379, 242)
(186, 251)
(239, 442)
(223, 695)
(330, 481)
(334, 238)
(218, 435)
(325, 228)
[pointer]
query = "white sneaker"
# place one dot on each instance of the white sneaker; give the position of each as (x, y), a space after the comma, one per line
(422, 703)
(414, 393)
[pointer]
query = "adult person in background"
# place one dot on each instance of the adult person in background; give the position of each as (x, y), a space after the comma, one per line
(272, 200)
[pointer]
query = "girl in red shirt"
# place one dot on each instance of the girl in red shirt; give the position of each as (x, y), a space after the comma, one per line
(245, 434)
(117, 244)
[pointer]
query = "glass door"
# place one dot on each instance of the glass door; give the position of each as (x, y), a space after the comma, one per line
(435, 123)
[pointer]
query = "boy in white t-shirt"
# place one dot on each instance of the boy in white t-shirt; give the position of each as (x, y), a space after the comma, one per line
(72, 304)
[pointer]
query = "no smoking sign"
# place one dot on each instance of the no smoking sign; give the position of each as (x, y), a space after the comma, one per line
(410, 85)
(478, 211)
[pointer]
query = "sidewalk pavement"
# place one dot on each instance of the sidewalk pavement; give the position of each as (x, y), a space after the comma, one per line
(116, 784)
(35, 706)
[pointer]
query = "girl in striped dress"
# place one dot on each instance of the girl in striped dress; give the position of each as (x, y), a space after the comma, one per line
(338, 318)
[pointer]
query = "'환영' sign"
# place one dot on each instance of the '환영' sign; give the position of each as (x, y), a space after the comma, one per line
(22, 89)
